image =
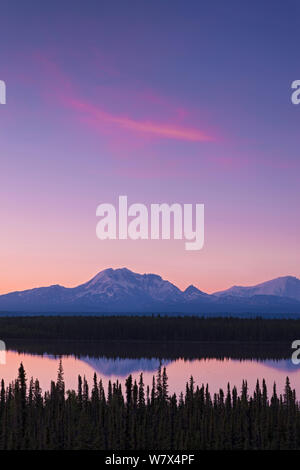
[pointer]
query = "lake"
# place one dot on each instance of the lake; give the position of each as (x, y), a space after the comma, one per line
(41, 361)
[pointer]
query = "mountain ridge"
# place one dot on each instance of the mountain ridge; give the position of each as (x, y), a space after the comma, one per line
(284, 286)
(122, 290)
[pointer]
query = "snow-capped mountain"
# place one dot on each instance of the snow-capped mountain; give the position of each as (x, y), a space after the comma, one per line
(123, 291)
(111, 290)
(287, 286)
(123, 283)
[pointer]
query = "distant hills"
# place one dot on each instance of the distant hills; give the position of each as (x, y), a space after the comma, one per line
(123, 291)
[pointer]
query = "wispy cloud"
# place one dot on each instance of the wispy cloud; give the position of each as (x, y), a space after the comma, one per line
(169, 131)
(158, 117)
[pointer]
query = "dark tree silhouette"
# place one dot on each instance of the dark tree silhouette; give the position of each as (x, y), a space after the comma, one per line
(195, 420)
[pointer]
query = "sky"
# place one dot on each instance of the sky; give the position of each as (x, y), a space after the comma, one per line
(162, 101)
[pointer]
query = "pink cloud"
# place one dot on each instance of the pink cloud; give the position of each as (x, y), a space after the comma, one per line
(170, 131)
(57, 84)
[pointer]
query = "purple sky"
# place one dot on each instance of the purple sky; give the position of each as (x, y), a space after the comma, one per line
(161, 101)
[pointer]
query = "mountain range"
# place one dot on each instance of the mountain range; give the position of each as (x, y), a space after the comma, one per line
(123, 291)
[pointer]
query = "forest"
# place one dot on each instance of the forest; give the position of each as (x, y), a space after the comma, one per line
(140, 417)
(149, 328)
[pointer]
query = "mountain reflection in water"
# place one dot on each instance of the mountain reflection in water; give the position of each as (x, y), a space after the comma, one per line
(217, 372)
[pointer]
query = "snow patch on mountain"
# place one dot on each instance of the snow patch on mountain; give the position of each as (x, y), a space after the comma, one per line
(287, 286)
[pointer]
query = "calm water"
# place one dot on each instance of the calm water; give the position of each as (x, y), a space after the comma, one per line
(216, 372)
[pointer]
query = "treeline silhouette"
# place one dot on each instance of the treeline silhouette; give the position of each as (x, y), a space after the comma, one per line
(147, 328)
(145, 418)
(168, 350)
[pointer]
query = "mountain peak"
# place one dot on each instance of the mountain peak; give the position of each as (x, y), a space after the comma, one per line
(122, 290)
(192, 293)
(191, 288)
(122, 284)
(284, 286)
